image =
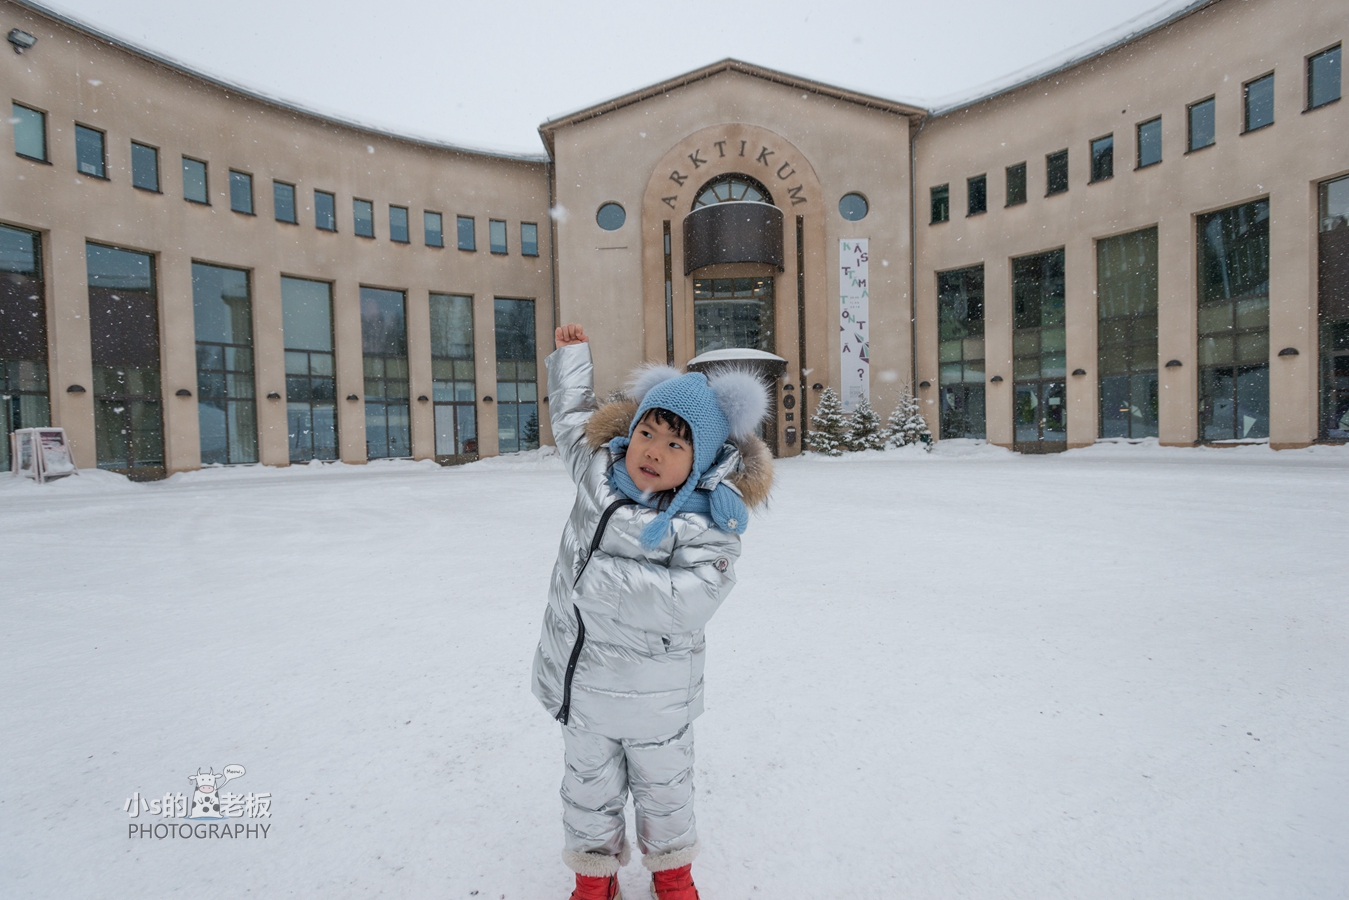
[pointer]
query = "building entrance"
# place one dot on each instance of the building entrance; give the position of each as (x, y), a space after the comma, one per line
(737, 313)
(1040, 356)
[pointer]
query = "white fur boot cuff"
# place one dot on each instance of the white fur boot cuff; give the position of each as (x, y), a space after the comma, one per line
(675, 859)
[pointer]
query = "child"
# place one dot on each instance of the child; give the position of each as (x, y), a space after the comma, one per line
(647, 556)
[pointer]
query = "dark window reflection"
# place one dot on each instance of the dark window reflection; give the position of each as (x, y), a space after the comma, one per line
(363, 218)
(453, 378)
(516, 376)
(1150, 142)
(432, 224)
(311, 382)
(977, 194)
(529, 239)
(1016, 184)
(23, 336)
(325, 211)
(226, 408)
(144, 167)
(1323, 78)
(1126, 297)
(398, 224)
(90, 156)
(467, 238)
(283, 201)
(1201, 124)
(194, 181)
(384, 347)
(1333, 295)
(1039, 351)
(1259, 103)
(1056, 173)
(941, 203)
(960, 351)
(1103, 158)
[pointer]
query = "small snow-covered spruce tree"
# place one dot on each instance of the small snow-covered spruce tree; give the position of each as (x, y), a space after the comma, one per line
(907, 425)
(828, 426)
(864, 429)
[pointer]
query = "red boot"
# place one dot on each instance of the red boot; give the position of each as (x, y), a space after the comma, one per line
(674, 884)
(591, 888)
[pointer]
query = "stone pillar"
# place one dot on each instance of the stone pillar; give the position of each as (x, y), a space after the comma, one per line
(350, 371)
(269, 367)
(998, 350)
(1079, 266)
(70, 354)
(485, 372)
(1177, 321)
(1293, 304)
(178, 361)
(419, 373)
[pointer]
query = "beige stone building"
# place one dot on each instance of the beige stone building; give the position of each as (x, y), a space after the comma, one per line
(1149, 241)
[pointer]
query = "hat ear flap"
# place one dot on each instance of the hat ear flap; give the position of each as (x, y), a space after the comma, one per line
(743, 400)
(644, 378)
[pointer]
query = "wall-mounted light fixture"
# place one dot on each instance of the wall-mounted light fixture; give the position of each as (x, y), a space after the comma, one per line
(925, 384)
(487, 399)
(21, 40)
(75, 389)
(352, 397)
(545, 398)
(1079, 371)
(995, 379)
(1173, 364)
(182, 392)
(273, 396)
(1288, 351)
(817, 386)
(422, 399)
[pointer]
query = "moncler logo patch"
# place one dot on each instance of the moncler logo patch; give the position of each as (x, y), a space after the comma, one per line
(721, 564)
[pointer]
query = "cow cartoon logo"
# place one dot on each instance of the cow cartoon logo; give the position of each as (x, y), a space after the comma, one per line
(206, 796)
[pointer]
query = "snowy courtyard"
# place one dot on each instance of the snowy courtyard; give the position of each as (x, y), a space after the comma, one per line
(1119, 672)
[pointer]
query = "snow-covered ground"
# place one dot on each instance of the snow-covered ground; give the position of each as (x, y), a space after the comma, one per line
(1118, 672)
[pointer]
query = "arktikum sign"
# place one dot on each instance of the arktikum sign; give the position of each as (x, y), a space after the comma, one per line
(761, 163)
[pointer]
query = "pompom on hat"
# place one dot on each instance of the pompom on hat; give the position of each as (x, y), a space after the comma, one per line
(728, 403)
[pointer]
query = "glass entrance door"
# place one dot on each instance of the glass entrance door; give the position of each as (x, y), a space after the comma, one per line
(1041, 415)
(1040, 357)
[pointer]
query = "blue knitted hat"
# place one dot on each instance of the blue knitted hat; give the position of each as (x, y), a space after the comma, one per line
(730, 404)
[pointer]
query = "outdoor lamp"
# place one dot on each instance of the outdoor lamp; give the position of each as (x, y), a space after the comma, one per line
(21, 40)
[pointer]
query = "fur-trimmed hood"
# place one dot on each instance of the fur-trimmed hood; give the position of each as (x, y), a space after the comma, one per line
(753, 477)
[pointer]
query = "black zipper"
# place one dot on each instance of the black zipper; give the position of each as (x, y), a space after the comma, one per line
(564, 714)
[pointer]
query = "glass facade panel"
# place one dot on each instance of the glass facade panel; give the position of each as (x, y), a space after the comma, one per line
(529, 239)
(733, 312)
(30, 132)
(1201, 124)
(325, 211)
(1258, 98)
(1333, 294)
(398, 224)
(1126, 299)
(311, 385)
(452, 371)
(1016, 184)
(976, 190)
(363, 218)
(91, 156)
(283, 202)
(496, 231)
(226, 407)
(1323, 78)
(144, 167)
(23, 336)
(517, 376)
(194, 181)
(1040, 414)
(1150, 142)
(241, 192)
(941, 203)
(1103, 158)
(1234, 323)
(124, 339)
(433, 226)
(1056, 173)
(467, 238)
(960, 317)
(384, 347)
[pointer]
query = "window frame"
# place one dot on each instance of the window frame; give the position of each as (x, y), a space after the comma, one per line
(332, 197)
(1189, 125)
(523, 243)
(491, 238)
(205, 180)
(1049, 181)
(945, 194)
(102, 174)
(252, 206)
(1007, 185)
(407, 225)
(356, 220)
(1307, 86)
(982, 180)
(1138, 144)
(294, 203)
(159, 184)
(472, 221)
(46, 141)
(1094, 178)
(440, 232)
(1246, 103)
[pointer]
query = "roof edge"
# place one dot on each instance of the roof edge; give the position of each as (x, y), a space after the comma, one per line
(253, 94)
(551, 126)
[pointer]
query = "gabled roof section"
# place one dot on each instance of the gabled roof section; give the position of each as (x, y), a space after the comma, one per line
(549, 128)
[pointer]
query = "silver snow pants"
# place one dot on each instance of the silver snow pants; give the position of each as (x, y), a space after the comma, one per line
(599, 774)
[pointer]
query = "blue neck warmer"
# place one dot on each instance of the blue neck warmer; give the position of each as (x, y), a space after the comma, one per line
(722, 504)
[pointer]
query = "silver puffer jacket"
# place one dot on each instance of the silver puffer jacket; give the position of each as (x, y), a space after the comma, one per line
(621, 652)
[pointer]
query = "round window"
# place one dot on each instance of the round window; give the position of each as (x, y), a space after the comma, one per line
(852, 207)
(611, 217)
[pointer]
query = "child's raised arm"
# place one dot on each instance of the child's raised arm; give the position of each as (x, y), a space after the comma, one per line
(571, 395)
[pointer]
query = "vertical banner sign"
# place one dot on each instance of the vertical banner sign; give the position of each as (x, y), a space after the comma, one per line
(854, 352)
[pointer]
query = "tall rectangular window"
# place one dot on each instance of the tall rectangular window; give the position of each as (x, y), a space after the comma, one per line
(529, 239)
(384, 345)
(1016, 184)
(23, 336)
(1234, 323)
(1126, 332)
(1333, 307)
(311, 380)
(124, 339)
(363, 218)
(144, 167)
(453, 384)
(1150, 142)
(960, 324)
(194, 181)
(941, 203)
(1201, 125)
(496, 231)
(1056, 173)
(433, 225)
(1258, 102)
(241, 192)
(91, 155)
(325, 211)
(283, 202)
(517, 376)
(1103, 158)
(1323, 77)
(226, 409)
(467, 238)
(398, 224)
(976, 195)
(1039, 351)
(30, 132)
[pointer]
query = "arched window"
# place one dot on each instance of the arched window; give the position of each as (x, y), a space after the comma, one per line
(726, 188)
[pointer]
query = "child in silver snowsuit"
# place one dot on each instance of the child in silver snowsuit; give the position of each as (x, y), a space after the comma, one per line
(665, 477)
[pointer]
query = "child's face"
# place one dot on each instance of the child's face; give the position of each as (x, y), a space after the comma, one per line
(658, 459)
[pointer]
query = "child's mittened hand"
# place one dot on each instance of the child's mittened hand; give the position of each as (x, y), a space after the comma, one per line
(566, 335)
